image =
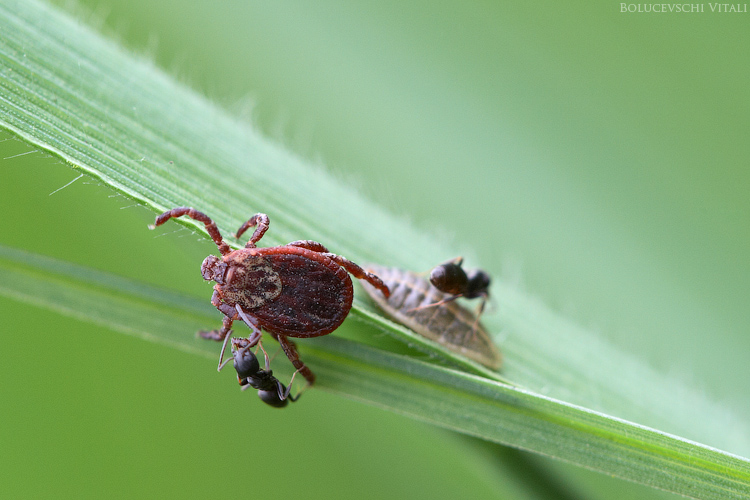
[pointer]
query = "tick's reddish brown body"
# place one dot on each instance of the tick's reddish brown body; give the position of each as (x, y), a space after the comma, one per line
(289, 290)
(294, 290)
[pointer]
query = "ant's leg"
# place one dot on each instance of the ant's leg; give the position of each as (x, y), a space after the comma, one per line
(291, 352)
(276, 353)
(260, 220)
(480, 309)
(439, 302)
(219, 335)
(478, 314)
(213, 231)
(265, 355)
(221, 366)
(285, 393)
(256, 334)
(230, 315)
(457, 261)
(360, 273)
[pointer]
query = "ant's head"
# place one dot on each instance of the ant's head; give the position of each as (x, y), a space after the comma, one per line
(449, 278)
(245, 362)
(478, 284)
(214, 269)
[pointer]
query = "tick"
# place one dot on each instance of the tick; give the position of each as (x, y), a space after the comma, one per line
(417, 304)
(249, 374)
(298, 290)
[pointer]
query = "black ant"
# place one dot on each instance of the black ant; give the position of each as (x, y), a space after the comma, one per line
(450, 278)
(451, 325)
(270, 390)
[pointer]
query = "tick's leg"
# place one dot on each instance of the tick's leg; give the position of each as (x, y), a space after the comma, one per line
(260, 220)
(360, 273)
(310, 245)
(219, 335)
(350, 266)
(225, 309)
(213, 231)
(291, 352)
(230, 315)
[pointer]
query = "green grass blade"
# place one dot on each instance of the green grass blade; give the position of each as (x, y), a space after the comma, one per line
(71, 93)
(442, 396)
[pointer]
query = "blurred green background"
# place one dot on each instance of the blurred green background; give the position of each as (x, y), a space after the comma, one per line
(598, 159)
